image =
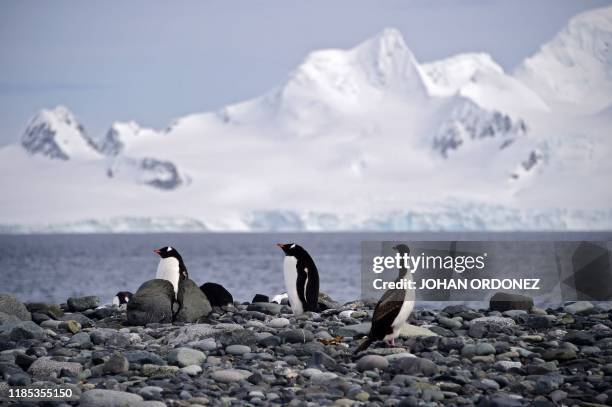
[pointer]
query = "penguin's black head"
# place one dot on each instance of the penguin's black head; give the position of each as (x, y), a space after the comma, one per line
(167, 251)
(402, 248)
(291, 249)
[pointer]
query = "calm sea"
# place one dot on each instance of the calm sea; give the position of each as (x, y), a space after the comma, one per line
(51, 268)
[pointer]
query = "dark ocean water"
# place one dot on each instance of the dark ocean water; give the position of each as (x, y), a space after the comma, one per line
(51, 268)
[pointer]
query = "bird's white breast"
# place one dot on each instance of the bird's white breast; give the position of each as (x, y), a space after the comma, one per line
(290, 272)
(168, 269)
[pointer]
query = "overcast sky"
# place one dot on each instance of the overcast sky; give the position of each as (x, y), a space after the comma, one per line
(153, 61)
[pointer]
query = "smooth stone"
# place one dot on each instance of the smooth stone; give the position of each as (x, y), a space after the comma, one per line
(278, 323)
(192, 370)
(22, 330)
(265, 307)
(204, 345)
(354, 331)
(186, 356)
(10, 305)
(194, 304)
(297, 336)
(508, 364)
(143, 357)
(395, 356)
(79, 304)
(51, 310)
(413, 366)
(81, 339)
(483, 349)
(371, 362)
(151, 392)
(152, 303)
(43, 367)
(322, 377)
(579, 338)
(578, 307)
(449, 323)
(116, 364)
(230, 375)
(507, 301)
(540, 321)
(409, 331)
(237, 349)
(109, 398)
(559, 354)
(12, 319)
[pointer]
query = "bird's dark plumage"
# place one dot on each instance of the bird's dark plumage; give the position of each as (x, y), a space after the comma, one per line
(217, 295)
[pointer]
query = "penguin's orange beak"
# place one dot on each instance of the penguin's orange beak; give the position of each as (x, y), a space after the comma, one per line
(157, 251)
(280, 245)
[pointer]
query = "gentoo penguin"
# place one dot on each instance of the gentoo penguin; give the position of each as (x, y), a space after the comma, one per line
(301, 278)
(217, 295)
(122, 297)
(391, 311)
(171, 267)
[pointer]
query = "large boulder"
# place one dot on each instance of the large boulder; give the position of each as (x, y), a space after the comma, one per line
(79, 304)
(152, 303)
(12, 306)
(193, 303)
(506, 301)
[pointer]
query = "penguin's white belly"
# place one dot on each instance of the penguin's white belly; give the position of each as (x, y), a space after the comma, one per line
(401, 319)
(290, 272)
(168, 269)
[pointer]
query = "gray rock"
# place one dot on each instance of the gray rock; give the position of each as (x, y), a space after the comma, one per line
(265, 307)
(158, 371)
(326, 302)
(579, 307)
(278, 323)
(22, 330)
(43, 367)
(415, 366)
(449, 323)
(152, 303)
(506, 301)
(186, 356)
(205, 345)
(79, 304)
(143, 357)
(579, 338)
(559, 354)
(540, 321)
(109, 337)
(10, 305)
(51, 310)
(371, 362)
(230, 375)
(192, 370)
(486, 384)
(83, 320)
(116, 364)
(297, 336)
(81, 339)
(8, 319)
(192, 333)
(194, 304)
(354, 331)
(493, 320)
(109, 398)
(484, 348)
(151, 392)
(411, 331)
(237, 349)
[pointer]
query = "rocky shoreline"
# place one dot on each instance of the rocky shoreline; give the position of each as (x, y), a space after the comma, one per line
(261, 354)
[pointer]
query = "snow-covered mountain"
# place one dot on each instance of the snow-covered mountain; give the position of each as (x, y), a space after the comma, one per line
(356, 139)
(574, 69)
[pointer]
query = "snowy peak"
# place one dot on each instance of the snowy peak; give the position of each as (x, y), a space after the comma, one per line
(57, 134)
(121, 136)
(447, 76)
(350, 81)
(575, 67)
(389, 64)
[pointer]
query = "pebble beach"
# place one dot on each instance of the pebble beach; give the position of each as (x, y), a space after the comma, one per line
(261, 354)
